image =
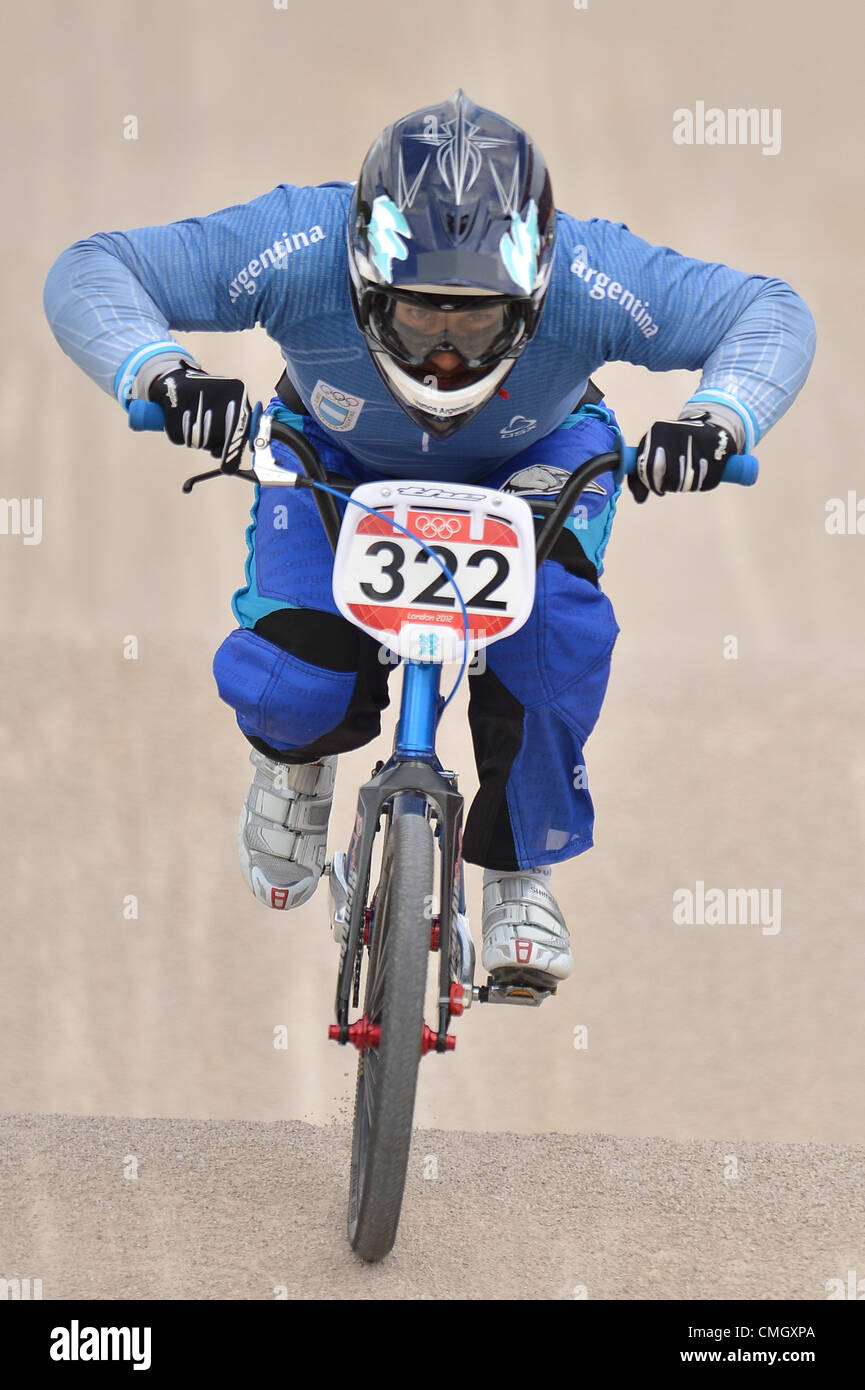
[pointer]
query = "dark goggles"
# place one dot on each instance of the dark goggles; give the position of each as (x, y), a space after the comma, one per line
(480, 328)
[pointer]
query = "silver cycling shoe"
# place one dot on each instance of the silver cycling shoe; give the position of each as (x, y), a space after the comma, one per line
(282, 835)
(525, 940)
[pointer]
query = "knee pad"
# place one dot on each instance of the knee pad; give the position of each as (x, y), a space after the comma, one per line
(279, 697)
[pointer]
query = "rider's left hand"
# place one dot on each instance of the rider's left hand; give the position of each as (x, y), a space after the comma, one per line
(681, 456)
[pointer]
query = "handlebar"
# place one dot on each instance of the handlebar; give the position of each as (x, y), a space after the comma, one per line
(740, 468)
(146, 415)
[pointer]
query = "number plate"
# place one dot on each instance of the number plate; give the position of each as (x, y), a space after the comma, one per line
(388, 584)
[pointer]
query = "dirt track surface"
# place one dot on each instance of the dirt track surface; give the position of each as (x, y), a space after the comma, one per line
(121, 779)
(257, 1211)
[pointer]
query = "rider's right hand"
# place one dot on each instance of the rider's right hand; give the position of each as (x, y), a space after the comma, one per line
(204, 412)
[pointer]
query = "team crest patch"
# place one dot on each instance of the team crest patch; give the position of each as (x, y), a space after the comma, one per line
(336, 409)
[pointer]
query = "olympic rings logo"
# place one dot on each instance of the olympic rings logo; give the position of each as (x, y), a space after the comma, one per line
(437, 527)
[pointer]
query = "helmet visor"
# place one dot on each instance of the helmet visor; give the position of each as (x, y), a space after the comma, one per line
(412, 327)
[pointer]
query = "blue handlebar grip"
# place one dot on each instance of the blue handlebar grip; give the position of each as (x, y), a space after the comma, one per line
(146, 415)
(742, 469)
(739, 468)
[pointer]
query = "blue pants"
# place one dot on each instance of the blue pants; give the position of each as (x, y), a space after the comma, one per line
(304, 682)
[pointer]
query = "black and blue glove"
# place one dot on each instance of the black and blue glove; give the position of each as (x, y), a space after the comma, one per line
(204, 412)
(681, 456)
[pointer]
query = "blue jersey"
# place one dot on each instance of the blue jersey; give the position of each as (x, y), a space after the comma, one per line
(115, 299)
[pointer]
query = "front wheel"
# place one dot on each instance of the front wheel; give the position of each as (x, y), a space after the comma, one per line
(387, 1074)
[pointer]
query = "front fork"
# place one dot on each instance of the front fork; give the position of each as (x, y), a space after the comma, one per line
(403, 787)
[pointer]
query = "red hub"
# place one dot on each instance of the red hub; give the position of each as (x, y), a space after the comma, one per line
(363, 1033)
(435, 935)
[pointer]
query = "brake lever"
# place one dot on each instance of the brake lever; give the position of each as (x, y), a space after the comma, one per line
(245, 473)
(265, 469)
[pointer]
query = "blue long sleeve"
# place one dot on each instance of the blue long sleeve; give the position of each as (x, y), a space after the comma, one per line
(280, 261)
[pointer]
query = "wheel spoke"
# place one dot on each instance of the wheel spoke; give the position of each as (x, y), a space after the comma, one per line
(370, 1062)
(374, 1003)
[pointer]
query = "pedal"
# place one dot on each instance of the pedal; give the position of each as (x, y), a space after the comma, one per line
(529, 994)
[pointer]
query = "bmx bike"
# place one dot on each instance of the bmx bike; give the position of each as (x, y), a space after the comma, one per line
(482, 548)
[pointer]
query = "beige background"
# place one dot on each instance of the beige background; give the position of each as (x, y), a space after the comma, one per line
(125, 777)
